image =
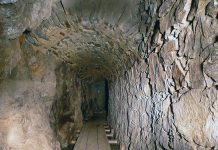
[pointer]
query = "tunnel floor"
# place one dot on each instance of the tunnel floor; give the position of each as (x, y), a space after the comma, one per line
(93, 136)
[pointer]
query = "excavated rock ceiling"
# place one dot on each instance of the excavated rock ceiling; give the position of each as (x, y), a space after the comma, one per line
(98, 38)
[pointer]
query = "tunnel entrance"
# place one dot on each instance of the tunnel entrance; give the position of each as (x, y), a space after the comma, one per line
(95, 100)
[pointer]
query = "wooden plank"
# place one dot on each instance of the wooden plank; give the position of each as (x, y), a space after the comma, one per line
(92, 137)
(109, 135)
(92, 143)
(82, 140)
(113, 141)
(108, 130)
(102, 139)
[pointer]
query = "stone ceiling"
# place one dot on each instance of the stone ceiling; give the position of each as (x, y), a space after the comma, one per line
(85, 34)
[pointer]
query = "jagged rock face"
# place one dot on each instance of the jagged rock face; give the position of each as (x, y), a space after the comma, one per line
(160, 58)
(24, 118)
(92, 40)
(169, 100)
(19, 15)
(10, 56)
(66, 116)
(26, 97)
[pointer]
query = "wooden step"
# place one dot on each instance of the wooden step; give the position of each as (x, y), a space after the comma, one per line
(113, 142)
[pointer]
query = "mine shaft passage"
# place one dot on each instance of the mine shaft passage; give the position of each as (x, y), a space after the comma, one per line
(95, 100)
(126, 74)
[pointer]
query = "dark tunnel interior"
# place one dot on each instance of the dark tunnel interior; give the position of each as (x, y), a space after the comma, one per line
(108, 74)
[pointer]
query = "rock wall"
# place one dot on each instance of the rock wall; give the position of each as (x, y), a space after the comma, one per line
(169, 98)
(40, 99)
(39, 94)
(66, 116)
(26, 97)
(19, 15)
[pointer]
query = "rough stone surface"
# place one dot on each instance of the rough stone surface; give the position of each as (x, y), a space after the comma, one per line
(96, 46)
(19, 15)
(169, 99)
(26, 97)
(160, 58)
(66, 116)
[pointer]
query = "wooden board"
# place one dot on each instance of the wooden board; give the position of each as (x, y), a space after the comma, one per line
(93, 137)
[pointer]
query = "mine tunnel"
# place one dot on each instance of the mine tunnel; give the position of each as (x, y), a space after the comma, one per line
(108, 74)
(95, 102)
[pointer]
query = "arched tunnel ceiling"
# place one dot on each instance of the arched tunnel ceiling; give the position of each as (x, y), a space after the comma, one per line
(121, 13)
(97, 37)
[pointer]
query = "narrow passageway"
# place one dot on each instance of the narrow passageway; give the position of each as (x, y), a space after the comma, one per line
(94, 107)
(94, 99)
(93, 136)
(146, 68)
(96, 134)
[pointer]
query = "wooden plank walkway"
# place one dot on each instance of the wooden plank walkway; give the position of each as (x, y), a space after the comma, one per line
(93, 137)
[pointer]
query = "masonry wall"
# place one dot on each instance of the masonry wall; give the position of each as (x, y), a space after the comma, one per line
(168, 99)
